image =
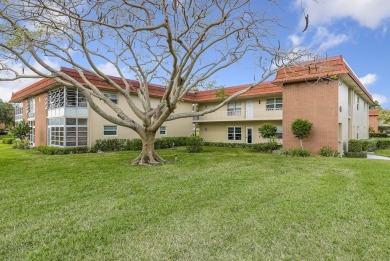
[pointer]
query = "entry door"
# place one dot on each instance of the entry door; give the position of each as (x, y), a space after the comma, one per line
(249, 135)
(249, 110)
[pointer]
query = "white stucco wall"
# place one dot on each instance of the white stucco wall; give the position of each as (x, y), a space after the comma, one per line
(343, 116)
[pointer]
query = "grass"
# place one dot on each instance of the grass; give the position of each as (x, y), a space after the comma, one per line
(3, 135)
(222, 204)
(385, 153)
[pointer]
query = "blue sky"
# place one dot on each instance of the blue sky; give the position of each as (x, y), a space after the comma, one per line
(355, 29)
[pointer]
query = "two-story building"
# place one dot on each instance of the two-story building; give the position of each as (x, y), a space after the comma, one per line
(324, 91)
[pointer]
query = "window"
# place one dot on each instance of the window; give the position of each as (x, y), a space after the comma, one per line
(279, 132)
(67, 132)
(31, 108)
(234, 109)
(112, 96)
(234, 133)
(110, 130)
(31, 137)
(65, 97)
(163, 130)
(274, 104)
(18, 112)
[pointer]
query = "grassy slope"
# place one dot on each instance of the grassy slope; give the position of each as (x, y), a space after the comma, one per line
(385, 153)
(223, 204)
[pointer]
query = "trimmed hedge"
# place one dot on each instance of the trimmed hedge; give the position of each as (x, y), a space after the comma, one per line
(295, 152)
(361, 154)
(61, 151)
(8, 140)
(355, 146)
(327, 152)
(379, 135)
(268, 147)
(228, 145)
(382, 144)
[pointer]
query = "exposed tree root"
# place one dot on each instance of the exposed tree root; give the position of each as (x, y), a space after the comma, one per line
(150, 158)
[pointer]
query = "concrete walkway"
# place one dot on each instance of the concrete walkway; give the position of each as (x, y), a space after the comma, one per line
(371, 155)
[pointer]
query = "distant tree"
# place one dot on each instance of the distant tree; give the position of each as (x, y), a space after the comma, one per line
(21, 130)
(267, 130)
(301, 129)
(6, 113)
(376, 105)
(384, 115)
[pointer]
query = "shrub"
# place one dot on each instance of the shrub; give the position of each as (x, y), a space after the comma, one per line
(268, 147)
(361, 154)
(60, 151)
(8, 140)
(194, 144)
(327, 152)
(170, 142)
(355, 146)
(369, 145)
(21, 144)
(382, 144)
(134, 144)
(295, 152)
(228, 145)
(21, 129)
(109, 145)
(267, 130)
(378, 135)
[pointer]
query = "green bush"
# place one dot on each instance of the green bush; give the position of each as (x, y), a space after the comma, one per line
(8, 140)
(109, 145)
(378, 135)
(21, 144)
(327, 152)
(295, 152)
(60, 151)
(355, 146)
(267, 130)
(369, 145)
(361, 154)
(194, 144)
(170, 142)
(268, 147)
(134, 144)
(382, 144)
(228, 145)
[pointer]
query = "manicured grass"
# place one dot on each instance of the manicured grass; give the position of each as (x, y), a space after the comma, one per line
(385, 153)
(222, 204)
(2, 135)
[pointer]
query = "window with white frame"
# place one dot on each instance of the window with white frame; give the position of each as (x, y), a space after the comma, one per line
(67, 132)
(274, 104)
(65, 97)
(18, 111)
(163, 130)
(31, 137)
(234, 133)
(31, 107)
(110, 130)
(279, 132)
(112, 96)
(234, 108)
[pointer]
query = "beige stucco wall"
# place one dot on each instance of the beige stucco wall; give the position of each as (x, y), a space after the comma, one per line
(179, 127)
(218, 131)
(360, 121)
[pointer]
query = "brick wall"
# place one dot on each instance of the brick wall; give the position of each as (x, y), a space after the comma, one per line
(373, 122)
(316, 102)
(40, 120)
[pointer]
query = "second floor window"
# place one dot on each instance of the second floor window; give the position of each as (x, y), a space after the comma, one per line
(274, 104)
(234, 108)
(19, 112)
(31, 107)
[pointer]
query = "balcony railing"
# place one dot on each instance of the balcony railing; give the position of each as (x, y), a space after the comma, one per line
(241, 115)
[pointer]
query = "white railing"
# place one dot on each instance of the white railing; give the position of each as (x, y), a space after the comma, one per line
(241, 115)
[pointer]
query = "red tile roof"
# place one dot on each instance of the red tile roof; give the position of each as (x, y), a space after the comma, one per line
(326, 67)
(319, 68)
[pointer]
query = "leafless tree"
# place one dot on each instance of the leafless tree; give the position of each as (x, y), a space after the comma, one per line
(180, 43)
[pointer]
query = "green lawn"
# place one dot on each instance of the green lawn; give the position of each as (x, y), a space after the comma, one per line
(385, 153)
(222, 204)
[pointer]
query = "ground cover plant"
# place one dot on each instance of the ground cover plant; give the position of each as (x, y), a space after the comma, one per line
(385, 153)
(221, 204)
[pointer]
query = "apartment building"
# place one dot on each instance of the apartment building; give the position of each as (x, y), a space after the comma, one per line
(325, 91)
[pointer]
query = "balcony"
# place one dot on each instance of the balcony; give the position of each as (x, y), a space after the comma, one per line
(241, 115)
(67, 112)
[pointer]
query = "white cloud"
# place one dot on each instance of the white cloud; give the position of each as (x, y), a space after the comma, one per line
(368, 13)
(369, 79)
(322, 40)
(109, 69)
(7, 87)
(380, 98)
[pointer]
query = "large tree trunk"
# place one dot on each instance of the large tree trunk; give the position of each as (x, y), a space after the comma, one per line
(148, 155)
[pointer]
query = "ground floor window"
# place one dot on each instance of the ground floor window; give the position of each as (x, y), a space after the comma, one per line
(163, 130)
(234, 133)
(67, 132)
(31, 137)
(110, 130)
